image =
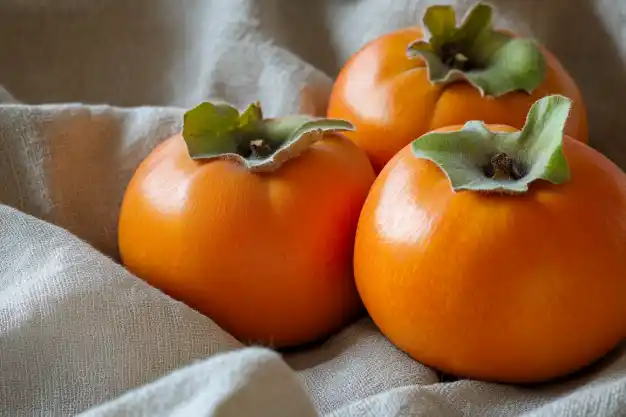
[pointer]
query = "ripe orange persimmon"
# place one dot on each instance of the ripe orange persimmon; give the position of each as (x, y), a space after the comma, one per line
(400, 86)
(251, 221)
(497, 256)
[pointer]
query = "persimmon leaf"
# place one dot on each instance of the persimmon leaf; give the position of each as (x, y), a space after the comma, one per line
(220, 131)
(296, 134)
(494, 63)
(209, 129)
(467, 156)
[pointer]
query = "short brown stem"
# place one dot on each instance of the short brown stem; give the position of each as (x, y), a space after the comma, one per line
(503, 167)
(255, 148)
(260, 149)
(454, 57)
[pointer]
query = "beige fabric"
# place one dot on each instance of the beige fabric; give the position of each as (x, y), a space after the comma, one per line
(76, 329)
(249, 382)
(79, 334)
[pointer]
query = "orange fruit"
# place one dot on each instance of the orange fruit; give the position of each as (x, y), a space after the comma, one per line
(497, 256)
(392, 91)
(257, 236)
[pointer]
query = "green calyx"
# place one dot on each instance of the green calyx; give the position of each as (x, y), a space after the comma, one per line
(220, 131)
(475, 158)
(491, 61)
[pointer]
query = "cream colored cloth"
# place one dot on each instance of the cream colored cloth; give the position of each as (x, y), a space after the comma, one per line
(88, 89)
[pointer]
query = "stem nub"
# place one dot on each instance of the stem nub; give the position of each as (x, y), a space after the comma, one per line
(474, 158)
(502, 167)
(453, 57)
(219, 131)
(255, 149)
(494, 63)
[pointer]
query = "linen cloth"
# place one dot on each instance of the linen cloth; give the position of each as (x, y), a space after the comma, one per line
(88, 88)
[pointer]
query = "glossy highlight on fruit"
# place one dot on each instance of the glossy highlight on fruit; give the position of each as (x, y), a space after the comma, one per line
(410, 81)
(495, 254)
(251, 221)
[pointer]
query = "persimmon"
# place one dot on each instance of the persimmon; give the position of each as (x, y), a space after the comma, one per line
(497, 254)
(251, 221)
(413, 80)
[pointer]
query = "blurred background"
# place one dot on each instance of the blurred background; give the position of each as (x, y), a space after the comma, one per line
(159, 52)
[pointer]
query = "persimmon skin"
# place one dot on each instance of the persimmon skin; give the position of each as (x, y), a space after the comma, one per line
(505, 288)
(389, 99)
(267, 256)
